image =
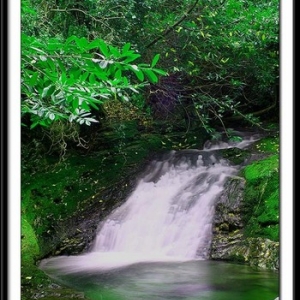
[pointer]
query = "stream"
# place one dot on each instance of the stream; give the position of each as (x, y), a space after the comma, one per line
(156, 245)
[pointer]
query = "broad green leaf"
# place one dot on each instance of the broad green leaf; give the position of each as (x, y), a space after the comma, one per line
(118, 74)
(94, 44)
(75, 103)
(51, 64)
(115, 51)
(159, 71)
(51, 90)
(33, 79)
(39, 122)
(151, 75)
(51, 75)
(70, 81)
(91, 103)
(140, 75)
(103, 48)
(39, 50)
(84, 76)
(69, 99)
(33, 125)
(125, 48)
(92, 78)
(75, 74)
(101, 76)
(71, 39)
(84, 105)
(82, 43)
(155, 60)
(47, 91)
(61, 66)
(131, 58)
(54, 44)
(63, 77)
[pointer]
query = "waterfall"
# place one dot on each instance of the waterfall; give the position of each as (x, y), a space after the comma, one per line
(168, 217)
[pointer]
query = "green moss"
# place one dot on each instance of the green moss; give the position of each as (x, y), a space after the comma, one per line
(55, 193)
(262, 169)
(268, 145)
(262, 198)
(30, 274)
(30, 247)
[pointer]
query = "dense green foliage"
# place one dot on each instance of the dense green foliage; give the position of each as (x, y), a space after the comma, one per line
(222, 58)
(86, 64)
(229, 50)
(65, 79)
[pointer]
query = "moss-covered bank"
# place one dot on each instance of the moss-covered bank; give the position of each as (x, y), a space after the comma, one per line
(246, 227)
(262, 198)
(54, 192)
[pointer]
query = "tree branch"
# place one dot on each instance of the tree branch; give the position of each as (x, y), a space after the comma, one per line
(168, 30)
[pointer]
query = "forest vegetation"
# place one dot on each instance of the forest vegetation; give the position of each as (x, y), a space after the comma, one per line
(106, 82)
(210, 62)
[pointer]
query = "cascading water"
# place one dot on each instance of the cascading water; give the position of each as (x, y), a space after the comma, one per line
(168, 217)
(156, 244)
(170, 212)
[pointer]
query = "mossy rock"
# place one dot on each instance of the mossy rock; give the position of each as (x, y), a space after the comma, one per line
(29, 244)
(267, 145)
(262, 198)
(235, 155)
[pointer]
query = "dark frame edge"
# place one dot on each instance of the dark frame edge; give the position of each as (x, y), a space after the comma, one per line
(4, 151)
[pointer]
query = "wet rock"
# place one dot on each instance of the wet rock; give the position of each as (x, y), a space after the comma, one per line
(229, 242)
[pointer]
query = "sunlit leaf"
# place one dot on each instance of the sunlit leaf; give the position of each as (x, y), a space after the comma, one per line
(125, 48)
(151, 75)
(155, 60)
(33, 79)
(131, 58)
(103, 48)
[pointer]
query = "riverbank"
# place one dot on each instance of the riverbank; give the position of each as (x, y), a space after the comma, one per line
(54, 192)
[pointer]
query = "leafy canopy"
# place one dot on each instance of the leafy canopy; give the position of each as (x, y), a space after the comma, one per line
(64, 80)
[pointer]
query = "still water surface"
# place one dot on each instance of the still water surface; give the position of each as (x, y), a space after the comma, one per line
(198, 279)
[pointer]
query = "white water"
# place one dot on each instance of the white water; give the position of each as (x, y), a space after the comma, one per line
(168, 217)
